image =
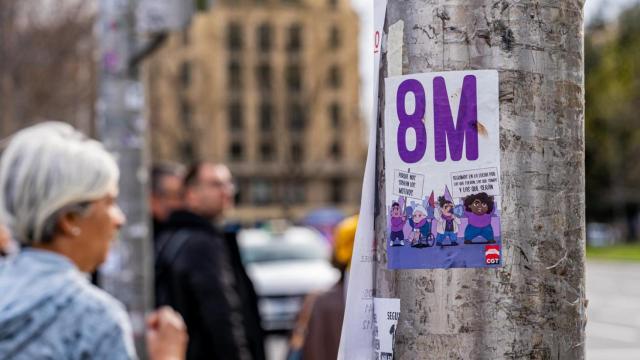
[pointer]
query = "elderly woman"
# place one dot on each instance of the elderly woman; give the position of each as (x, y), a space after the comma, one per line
(58, 194)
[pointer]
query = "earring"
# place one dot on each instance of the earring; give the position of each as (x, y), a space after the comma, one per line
(75, 231)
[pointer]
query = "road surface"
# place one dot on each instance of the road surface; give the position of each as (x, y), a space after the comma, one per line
(613, 328)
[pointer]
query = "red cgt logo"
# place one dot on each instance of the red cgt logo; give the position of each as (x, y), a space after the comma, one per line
(492, 254)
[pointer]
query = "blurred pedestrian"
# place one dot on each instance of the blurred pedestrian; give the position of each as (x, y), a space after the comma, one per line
(166, 193)
(58, 198)
(316, 335)
(199, 273)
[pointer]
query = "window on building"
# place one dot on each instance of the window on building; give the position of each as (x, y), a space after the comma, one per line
(187, 151)
(336, 150)
(294, 77)
(266, 121)
(267, 151)
(294, 39)
(236, 151)
(234, 36)
(297, 117)
(185, 74)
(297, 151)
(336, 190)
(335, 40)
(335, 114)
(236, 121)
(335, 77)
(241, 196)
(263, 75)
(235, 75)
(295, 191)
(186, 114)
(261, 192)
(264, 37)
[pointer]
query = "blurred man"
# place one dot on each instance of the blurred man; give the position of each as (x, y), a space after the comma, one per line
(166, 192)
(198, 272)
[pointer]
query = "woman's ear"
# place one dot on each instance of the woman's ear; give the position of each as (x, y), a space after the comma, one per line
(68, 225)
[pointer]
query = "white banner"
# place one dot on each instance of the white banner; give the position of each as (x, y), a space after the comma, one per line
(356, 341)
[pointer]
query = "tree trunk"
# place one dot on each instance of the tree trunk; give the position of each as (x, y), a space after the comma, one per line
(533, 307)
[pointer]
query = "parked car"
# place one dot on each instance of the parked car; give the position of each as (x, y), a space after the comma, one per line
(284, 267)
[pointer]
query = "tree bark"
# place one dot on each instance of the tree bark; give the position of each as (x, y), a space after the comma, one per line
(534, 306)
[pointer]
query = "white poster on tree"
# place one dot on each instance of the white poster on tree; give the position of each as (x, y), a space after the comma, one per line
(442, 168)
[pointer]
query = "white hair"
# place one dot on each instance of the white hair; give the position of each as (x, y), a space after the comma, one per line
(421, 209)
(46, 169)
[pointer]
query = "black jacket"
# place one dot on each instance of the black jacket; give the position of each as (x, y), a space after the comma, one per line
(194, 262)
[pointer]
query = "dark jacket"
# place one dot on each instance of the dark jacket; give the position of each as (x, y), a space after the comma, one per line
(199, 273)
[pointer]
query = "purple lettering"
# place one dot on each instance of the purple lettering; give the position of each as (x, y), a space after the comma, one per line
(414, 121)
(466, 125)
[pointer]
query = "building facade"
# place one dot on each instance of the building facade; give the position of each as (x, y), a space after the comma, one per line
(269, 87)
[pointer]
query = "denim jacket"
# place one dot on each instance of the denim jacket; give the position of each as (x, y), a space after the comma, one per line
(49, 310)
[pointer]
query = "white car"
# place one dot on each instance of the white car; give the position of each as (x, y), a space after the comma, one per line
(284, 267)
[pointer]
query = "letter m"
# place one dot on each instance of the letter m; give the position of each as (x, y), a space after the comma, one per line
(466, 125)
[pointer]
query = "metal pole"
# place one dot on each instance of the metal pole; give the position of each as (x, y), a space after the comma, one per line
(127, 274)
(534, 306)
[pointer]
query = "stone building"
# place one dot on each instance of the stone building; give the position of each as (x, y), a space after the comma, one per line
(269, 87)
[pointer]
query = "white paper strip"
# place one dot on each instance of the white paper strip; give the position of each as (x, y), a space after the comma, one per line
(386, 315)
(395, 44)
(356, 341)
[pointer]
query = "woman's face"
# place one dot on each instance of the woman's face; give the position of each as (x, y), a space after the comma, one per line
(98, 227)
(478, 207)
(395, 211)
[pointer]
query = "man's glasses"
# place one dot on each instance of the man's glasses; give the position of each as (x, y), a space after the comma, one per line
(227, 186)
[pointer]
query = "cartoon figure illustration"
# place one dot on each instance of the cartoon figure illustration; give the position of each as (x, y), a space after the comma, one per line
(447, 222)
(421, 227)
(398, 219)
(478, 208)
